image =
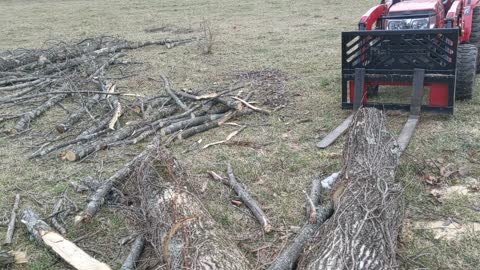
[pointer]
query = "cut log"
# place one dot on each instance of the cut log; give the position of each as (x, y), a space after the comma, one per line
(13, 219)
(62, 247)
(368, 203)
(188, 237)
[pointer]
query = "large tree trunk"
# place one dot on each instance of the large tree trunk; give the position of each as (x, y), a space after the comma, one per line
(362, 233)
(175, 223)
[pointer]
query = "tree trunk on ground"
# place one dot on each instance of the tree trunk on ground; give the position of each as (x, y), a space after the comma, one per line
(175, 223)
(368, 203)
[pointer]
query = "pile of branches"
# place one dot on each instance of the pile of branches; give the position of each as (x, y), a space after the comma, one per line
(35, 81)
(176, 229)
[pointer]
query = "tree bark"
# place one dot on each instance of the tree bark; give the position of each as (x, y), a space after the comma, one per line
(135, 253)
(13, 219)
(98, 198)
(368, 203)
(6, 259)
(24, 122)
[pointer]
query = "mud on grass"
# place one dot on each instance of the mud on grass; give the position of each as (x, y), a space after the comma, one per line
(301, 39)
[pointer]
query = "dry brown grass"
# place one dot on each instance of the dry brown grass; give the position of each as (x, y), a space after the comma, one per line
(300, 38)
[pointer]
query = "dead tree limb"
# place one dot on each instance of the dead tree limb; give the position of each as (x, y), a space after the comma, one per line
(250, 202)
(13, 218)
(6, 259)
(62, 247)
(24, 122)
(188, 237)
(368, 202)
(135, 253)
(55, 223)
(172, 94)
(288, 258)
(77, 116)
(98, 198)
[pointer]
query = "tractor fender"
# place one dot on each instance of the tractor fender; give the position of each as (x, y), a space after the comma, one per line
(371, 17)
(466, 19)
(451, 20)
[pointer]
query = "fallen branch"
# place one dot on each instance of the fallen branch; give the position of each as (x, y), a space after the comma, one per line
(251, 106)
(55, 223)
(64, 248)
(135, 253)
(98, 198)
(188, 237)
(229, 137)
(13, 218)
(250, 202)
(288, 258)
(6, 259)
(25, 120)
(172, 94)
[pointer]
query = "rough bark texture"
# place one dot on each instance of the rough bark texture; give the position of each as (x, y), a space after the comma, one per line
(6, 259)
(174, 221)
(287, 259)
(135, 253)
(368, 203)
(98, 197)
(250, 202)
(11, 224)
(24, 122)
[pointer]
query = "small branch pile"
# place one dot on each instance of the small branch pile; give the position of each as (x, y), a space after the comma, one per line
(178, 231)
(34, 81)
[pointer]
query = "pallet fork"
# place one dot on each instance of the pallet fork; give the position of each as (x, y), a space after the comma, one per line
(408, 129)
(420, 58)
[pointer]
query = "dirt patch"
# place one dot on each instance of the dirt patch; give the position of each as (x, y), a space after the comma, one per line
(271, 85)
(169, 29)
(447, 230)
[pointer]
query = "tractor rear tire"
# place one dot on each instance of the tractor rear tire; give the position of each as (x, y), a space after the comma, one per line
(475, 35)
(466, 71)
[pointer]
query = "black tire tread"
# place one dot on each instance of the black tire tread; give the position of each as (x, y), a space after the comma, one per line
(475, 35)
(466, 71)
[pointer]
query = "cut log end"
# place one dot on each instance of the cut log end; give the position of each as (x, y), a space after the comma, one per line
(70, 155)
(82, 218)
(61, 128)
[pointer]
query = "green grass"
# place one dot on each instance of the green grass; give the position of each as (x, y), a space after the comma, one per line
(301, 38)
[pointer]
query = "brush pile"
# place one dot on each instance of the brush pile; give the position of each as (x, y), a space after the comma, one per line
(80, 79)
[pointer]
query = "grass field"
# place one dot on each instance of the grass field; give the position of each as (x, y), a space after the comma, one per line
(301, 39)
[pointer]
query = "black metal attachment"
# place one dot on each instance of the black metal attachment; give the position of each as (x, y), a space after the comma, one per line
(391, 56)
(417, 92)
(359, 83)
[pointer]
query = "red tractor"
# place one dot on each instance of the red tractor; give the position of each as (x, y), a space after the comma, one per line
(437, 37)
(418, 43)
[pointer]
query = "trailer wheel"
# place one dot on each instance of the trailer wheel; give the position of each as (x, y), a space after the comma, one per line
(466, 71)
(475, 35)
